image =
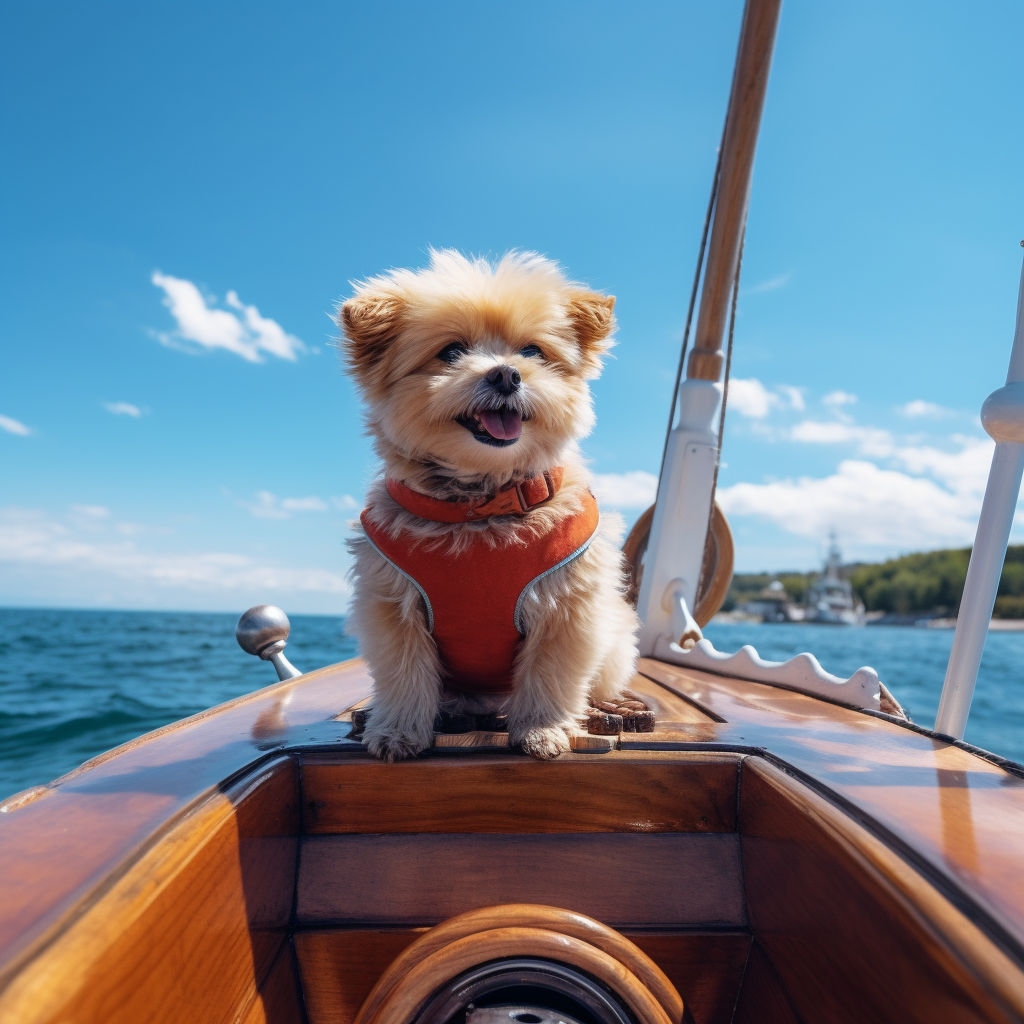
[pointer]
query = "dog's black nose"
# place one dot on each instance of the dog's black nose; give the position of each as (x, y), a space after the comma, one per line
(504, 379)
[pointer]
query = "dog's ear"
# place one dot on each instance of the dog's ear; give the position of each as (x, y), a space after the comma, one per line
(593, 322)
(370, 321)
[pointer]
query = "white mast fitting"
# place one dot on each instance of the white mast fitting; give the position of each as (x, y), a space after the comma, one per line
(1002, 416)
(682, 513)
(675, 551)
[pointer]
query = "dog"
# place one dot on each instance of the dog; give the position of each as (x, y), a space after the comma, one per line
(484, 580)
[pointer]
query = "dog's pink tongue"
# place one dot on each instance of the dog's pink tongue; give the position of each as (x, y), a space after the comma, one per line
(504, 424)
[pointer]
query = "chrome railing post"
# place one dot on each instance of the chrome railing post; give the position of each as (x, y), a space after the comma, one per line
(263, 631)
(1002, 415)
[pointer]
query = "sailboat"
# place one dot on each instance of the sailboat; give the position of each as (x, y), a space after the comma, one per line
(769, 844)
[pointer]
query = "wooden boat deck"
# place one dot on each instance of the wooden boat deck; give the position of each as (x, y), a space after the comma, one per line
(957, 817)
(764, 817)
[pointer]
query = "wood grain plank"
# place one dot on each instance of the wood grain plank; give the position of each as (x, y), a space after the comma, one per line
(189, 931)
(705, 967)
(340, 966)
(476, 738)
(853, 932)
(279, 1000)
(695, 793)
(678, 720)
(58, 849)
(762, 999)
(670, 709)
(960, 812)
(667, 880)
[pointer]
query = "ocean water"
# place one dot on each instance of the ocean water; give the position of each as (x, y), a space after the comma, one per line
(76, 683)
(911, 662)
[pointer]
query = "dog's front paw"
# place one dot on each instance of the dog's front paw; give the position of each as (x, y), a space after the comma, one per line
(394, 746)
(544, 744)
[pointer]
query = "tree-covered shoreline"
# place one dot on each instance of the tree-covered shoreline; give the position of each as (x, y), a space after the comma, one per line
(929, 583)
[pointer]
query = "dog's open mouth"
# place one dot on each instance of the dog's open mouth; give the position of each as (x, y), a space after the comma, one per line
(498, 427)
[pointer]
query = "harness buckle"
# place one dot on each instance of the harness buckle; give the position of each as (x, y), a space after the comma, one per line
(517, 499)
(525, 499)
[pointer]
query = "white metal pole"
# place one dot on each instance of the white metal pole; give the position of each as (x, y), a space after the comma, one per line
(1003, 417)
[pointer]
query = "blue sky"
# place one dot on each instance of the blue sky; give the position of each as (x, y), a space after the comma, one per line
(253, 158)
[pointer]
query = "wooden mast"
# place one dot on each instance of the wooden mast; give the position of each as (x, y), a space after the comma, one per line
(743, 120)
(679, 527)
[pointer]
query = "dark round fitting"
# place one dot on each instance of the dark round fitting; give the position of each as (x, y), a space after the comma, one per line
(531, 984)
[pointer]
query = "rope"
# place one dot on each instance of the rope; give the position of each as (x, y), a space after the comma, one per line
(689, 312)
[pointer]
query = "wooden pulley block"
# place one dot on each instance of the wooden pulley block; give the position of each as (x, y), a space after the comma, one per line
(516, 930)
(715, 571)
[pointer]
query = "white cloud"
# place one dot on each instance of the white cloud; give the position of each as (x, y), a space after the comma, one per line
(770, 285)
(865, 504)
(13, 426)
(267, 334)
(919, 408)
(869, 440)
(311, 504)
(837, 399)
(123, 409)
(964, 471)
(636, 489)
(794, 396)
(91, 511)
(267, 505)
(33, 541)
(202, 324)
(925, 497)
(751, 398)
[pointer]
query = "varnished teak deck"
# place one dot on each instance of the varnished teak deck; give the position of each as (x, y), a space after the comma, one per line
(150, 886)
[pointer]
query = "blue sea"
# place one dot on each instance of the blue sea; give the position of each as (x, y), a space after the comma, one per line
(76, 683)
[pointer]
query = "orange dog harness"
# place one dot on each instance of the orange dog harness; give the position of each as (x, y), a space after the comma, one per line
(473, 598)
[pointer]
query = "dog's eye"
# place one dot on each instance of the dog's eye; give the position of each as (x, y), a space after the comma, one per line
(452, 351)
(531, 350)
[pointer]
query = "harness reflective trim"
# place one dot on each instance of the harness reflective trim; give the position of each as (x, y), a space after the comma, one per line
(423, 593)
(517, 617)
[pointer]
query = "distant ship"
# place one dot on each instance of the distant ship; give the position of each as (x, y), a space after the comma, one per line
(830, 601)
(772, 604)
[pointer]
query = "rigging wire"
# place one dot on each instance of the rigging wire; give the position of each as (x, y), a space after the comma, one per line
(689, 312)
(725, 402)
(728, 365)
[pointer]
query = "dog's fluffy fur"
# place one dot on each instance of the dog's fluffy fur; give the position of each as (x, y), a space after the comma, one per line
(423, 413)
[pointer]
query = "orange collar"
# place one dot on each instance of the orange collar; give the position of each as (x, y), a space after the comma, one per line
(512, 499)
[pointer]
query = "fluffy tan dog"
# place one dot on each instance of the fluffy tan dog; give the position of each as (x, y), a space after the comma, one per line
(475, 377)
